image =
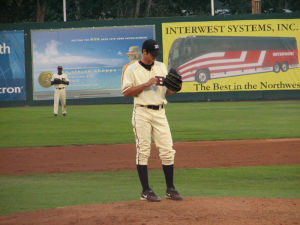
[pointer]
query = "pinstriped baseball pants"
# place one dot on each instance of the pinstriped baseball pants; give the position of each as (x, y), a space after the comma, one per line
(148, 123)
(60, 96)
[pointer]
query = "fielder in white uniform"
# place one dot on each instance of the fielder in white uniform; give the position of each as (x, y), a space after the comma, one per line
(60, 81)
(149, 118)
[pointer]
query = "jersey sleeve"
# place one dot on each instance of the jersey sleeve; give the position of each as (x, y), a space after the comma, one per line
(128, 80)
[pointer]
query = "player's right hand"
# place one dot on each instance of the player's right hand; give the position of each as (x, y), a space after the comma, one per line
(152, 81)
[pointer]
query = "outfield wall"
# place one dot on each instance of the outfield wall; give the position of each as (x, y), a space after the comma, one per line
(29, 49)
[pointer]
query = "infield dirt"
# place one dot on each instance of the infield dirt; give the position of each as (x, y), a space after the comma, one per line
(204, 154)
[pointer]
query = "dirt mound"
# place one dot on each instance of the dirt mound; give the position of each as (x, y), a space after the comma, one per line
(204, 211)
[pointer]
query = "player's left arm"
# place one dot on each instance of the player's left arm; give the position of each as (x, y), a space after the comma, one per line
(164, 71)
(170, 92)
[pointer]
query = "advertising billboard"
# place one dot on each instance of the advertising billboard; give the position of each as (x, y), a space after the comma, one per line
(12, 66)
(92, 58)
(250, 55)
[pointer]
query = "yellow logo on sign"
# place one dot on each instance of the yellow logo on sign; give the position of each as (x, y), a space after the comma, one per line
(45, 79)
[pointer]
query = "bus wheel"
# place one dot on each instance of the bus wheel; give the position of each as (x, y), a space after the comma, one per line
(202, 76)
(284, 66)
(276, 67)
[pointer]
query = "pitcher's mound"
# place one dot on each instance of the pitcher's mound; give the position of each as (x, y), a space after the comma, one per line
(204, 211)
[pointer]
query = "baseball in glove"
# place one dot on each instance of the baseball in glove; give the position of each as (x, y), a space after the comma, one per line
(173, 80)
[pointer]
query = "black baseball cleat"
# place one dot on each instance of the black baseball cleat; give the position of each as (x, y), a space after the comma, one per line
(55, 115)
(150, 196)
(173, 194)
(64, 114)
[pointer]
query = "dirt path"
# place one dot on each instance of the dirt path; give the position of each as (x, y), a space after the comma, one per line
(204, 154)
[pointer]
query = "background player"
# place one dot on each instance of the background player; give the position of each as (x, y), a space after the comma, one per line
(149, 118)
(60, 80)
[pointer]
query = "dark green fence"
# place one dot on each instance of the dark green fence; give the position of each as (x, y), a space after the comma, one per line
(182, 97)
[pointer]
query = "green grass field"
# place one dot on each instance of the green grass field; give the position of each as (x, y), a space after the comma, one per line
(20, 193)
(110, 124)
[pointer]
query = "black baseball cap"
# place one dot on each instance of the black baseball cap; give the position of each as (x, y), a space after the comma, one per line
(59, 67)
(151, 46)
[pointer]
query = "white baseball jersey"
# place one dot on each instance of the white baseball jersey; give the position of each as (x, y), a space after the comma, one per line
(57, 76)
(149, 122)
(136, 74)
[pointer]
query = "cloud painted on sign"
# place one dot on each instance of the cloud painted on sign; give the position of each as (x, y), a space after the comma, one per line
(51, 48)
(51, 57)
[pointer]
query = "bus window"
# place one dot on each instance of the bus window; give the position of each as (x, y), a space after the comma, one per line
(202, 58)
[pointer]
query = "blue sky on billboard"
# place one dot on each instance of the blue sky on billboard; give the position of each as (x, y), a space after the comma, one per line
(91, 57)
(90, 47)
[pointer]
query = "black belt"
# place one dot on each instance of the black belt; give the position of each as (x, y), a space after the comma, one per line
(60, 88)
(154, 107)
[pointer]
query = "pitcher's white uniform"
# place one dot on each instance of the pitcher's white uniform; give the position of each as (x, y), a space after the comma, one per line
(148, 122)
(60, 93)
(144, 81)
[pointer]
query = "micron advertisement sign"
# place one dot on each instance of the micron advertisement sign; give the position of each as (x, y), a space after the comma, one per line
(12, 66)
(250, 55)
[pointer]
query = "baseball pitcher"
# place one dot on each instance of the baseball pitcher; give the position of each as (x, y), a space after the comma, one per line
(148, 81)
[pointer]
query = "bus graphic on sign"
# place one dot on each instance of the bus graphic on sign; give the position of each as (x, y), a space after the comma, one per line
(201, 58)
